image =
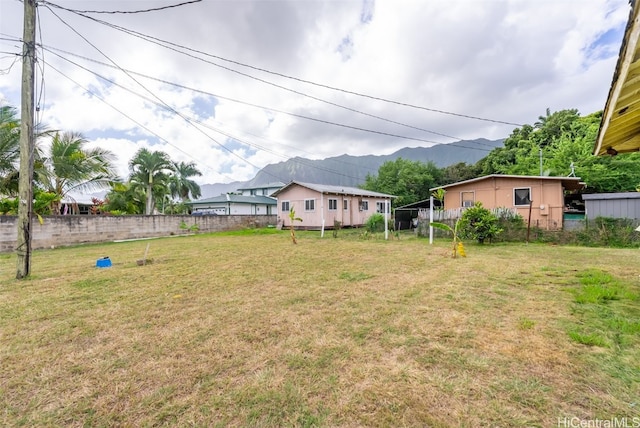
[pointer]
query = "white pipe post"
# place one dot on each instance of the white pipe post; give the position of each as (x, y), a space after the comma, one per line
(386, 220)
(430, 220)
(322, 211)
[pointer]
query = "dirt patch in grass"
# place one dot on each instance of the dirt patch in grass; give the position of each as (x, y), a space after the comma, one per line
(237, 330)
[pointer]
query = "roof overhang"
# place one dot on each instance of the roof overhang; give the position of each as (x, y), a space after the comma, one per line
(620, 127)
(568, 183)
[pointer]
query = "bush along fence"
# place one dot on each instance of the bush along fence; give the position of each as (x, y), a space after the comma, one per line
(597, 232)
(508, 219)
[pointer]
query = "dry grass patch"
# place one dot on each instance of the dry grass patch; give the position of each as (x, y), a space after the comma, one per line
(236, 330)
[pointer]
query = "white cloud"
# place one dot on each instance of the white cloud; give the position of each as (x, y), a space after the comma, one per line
(507, 60)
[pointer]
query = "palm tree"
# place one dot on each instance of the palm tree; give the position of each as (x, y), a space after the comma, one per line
(69, 166)
(125, 198)
(180, 184)
(9, 150)
(150, 169)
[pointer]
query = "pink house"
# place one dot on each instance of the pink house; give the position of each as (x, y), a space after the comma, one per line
(318, 205)
(541, 197)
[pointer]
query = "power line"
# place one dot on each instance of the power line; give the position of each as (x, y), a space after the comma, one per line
(166, 106)
(404, 104)
(174, 111)
(131, 119)
(177, 85)
(122, 11)
(233, 137)
(168, 45)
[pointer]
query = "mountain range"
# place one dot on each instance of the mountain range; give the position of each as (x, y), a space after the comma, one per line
(347, 170)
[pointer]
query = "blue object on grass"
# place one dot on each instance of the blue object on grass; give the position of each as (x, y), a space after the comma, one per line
(103, 262)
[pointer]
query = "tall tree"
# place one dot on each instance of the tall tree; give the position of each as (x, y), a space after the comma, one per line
(459, 172)
(180, 183)
(149, 169)
(408, 180)
(70, 166)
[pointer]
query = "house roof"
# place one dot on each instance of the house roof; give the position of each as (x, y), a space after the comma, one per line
(236, 199)
(620, 126)
(264, 186)
(602, 196)
(336, 190)
(419, 204)
(569, 183)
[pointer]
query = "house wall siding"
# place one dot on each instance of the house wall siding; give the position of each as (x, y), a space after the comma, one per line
(78, 229)
(495, 192)
(296, 195)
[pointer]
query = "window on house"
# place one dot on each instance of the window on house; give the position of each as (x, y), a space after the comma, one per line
(467, 199)
(364, 205)
(381, 207)
(252, 192)
(309, 204)
(333, 204)
(345, 204)
(285, 206)
(522, 196)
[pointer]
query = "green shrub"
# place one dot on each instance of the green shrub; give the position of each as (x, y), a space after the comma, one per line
(375, 223)
(479, 223)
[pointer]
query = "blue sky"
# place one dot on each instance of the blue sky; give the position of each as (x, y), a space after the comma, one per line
(506, 60)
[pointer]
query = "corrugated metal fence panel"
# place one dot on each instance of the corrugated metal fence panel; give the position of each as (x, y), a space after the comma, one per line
(613, 208)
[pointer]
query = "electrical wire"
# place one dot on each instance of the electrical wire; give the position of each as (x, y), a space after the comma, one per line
(404, 104)
(226, 134)
(89, 91)
(156, 9)
(168, 45)
(160, 100)
(41, 97)
(177, 85)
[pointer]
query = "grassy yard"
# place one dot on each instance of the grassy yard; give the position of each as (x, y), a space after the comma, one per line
(247, 329)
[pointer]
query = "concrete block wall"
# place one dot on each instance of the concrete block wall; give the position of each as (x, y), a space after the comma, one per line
(78, 229)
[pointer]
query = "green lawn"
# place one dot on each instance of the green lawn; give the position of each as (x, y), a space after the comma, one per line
(247, 329)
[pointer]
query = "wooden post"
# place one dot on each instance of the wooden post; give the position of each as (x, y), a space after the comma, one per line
(27, 142)
(529, 222)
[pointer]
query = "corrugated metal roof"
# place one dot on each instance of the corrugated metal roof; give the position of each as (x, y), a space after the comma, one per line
(272, 185)
(336, 190)
(570, 183)
(620, 127)
(601, 196)
(236, 199)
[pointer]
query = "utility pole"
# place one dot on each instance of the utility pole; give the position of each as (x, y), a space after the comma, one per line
(540, 161)
(27, 142)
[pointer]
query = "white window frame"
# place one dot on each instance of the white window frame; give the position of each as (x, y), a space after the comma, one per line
(288, 206)
(462, 200)
(381, 207)
(345, 204)
(309, 205)
(514, 196)
(334, 202)
(364, 205)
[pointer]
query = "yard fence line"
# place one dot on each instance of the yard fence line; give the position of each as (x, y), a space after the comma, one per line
(456, 213)
(66, 230)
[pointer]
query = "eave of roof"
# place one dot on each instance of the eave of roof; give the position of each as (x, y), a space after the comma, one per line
(235, 199)
(601, 196)
(620, 126)
(570, 183)
(264, 186)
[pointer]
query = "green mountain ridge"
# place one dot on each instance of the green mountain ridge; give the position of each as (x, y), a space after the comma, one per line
(348, 170)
